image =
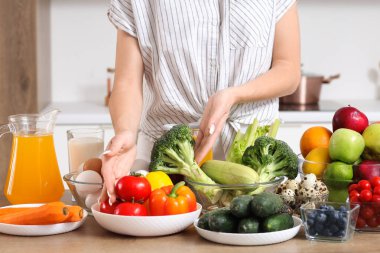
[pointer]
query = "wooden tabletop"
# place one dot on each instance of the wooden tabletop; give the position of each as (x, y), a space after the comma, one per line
(92, 238)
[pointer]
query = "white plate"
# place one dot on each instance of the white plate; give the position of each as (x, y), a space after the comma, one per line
(250, 239)
(40, 230)
(145, 225)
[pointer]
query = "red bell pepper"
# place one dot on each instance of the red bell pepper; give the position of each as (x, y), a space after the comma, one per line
(170, 200)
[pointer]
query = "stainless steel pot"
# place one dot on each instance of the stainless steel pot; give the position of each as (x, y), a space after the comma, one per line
(308, 91)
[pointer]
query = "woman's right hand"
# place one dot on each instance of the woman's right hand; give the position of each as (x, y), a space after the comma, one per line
(117, 162)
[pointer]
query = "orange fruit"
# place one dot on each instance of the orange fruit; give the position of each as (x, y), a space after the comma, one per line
(314, 137)
(316, 161)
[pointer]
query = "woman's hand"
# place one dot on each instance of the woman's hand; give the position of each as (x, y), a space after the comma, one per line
(117, 162)
(215, 115)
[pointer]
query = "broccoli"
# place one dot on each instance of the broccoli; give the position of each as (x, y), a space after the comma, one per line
(242, 141)
(271, 158)
(173, 153)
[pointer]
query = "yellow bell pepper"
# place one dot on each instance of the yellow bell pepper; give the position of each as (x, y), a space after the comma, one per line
(158, 179)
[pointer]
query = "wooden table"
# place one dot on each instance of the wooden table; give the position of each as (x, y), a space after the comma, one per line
(92, 238)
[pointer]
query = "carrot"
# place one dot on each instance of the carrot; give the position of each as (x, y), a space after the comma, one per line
(8, 210)
(42, 215)
(75, 213)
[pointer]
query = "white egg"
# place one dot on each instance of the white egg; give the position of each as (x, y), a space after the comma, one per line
(92, 198)
(88, 182)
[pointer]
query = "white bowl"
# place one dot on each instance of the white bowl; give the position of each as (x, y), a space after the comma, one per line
(250, 239)
(145, 225)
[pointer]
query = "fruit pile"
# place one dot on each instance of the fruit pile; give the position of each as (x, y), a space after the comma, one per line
(150, 196)
(333, 155)
(327, 221)
(367, 194)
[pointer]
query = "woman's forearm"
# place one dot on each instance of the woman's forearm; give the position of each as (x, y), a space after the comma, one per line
(127, 96)
(284, 76)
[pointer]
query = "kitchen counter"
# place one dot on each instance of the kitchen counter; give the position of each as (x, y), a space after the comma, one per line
(92, 238)
(84, 113)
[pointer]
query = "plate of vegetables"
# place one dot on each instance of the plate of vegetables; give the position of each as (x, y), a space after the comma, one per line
(258, 220)
(41, 219)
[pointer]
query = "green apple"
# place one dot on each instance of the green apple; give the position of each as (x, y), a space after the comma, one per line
(371, 137)
(346, 145)
(338, 171)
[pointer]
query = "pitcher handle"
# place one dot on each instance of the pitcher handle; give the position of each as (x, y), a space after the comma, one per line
(7, 128)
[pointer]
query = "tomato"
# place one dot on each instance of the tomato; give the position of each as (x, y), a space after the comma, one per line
(354, 199)
(366, 212)
(375, 198)
(354, 193)
(360, 222)
(364, 185)
(376, 190)
(105, 207)
(365, 196)
(131, 209)
(372, 222)
(375, 181)
(378, 219)
(134, 188)
(353, 187)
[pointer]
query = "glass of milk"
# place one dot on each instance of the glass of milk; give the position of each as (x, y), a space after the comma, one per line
(83, 144)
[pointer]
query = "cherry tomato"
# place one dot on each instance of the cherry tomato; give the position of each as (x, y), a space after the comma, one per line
(378, 219)
(366, 212)
(375, 198)
(354, 199)
(354, 193)
(365, 196)
(106, 208)
(360, 222)
(364, 185)
(134, 188)
(372, 222)
(131, 209)
(353, 187)
(375, 181)
(376, 190)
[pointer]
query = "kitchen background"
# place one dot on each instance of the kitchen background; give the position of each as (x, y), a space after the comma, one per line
(57, 52)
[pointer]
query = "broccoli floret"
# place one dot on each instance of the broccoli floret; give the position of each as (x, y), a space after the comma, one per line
(271, 158)
(173, 153)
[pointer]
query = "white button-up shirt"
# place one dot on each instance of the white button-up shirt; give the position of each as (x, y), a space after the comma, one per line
(193, 48)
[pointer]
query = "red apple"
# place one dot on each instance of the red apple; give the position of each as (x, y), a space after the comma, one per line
(351, 118)
(367, 169)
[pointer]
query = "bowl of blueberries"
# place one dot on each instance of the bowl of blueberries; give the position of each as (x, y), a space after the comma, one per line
(329, 221)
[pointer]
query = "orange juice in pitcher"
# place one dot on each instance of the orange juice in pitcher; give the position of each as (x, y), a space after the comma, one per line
(33, 173)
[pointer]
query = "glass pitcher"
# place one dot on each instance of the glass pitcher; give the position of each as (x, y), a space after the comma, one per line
(33, 173)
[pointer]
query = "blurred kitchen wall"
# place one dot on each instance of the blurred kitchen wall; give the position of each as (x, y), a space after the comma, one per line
(338, 36)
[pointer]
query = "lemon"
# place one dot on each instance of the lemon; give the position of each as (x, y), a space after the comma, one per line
(316, 161)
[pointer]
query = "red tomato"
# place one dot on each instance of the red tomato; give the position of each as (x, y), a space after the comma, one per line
(378, 219)
(353, 187)
(366, 212)
(375, 198)
(106, 208)
(354, 199)
(376, 190)
(375, 181)
(354, 193)
(130, 188)
(360, 222)
(372, 222)
(364, 185)
(365, 195)
(131, 209)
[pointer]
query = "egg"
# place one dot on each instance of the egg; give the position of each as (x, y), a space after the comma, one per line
(94, 164)
(92, 198)
(309, 181)
(292, 185)
(289, 196)
(88, 181)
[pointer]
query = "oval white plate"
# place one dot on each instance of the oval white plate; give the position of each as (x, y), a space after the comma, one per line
(145, 225)
(40, 230)
(250, 239)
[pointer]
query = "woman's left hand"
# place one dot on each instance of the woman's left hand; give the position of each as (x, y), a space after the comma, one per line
(214, 117)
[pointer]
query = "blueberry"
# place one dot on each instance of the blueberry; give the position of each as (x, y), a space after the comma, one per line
(318, 228)
(311, 215)
(323, 207)
(310, 222)
(312, 231)
(342, 209)
(326, 232)
(334, 229)
(321, 218)
(342, 222)
(340, 233)
(330, 208)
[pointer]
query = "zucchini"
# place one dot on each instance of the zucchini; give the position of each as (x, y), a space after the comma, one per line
(224, 172)
(278, 222)
(248, 225)
(240, 206)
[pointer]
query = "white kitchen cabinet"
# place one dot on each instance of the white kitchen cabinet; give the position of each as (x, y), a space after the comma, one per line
(292, 133)
(60, 142)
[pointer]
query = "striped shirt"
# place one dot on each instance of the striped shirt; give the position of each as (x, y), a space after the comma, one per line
(193, 48)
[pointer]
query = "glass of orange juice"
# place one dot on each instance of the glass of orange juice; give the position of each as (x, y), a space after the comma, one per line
(33, 173)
